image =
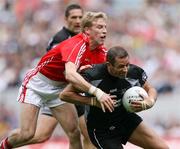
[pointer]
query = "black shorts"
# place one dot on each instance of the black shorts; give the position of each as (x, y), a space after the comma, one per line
(114, 136)
(79, 108)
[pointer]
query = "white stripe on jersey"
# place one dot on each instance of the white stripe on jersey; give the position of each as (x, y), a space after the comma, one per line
(80, 53)
(104, 50)
(74, 49)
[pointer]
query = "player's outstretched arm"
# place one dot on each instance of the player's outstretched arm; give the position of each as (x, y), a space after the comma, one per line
(73, 77)
(72, 95)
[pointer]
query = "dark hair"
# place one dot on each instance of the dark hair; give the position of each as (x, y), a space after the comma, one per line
(114, 52)
(71, 7)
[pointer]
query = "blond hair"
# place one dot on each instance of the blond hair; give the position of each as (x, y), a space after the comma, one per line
(89, 17)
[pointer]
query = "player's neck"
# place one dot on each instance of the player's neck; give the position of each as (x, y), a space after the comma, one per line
(70, 32)
(93, 45)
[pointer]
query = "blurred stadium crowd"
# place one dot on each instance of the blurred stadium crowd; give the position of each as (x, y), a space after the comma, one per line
(149, 29)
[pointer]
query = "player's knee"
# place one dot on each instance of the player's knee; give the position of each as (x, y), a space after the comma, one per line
(74, 133)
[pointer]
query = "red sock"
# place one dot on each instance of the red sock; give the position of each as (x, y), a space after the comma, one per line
(5, 144)
(2, 144)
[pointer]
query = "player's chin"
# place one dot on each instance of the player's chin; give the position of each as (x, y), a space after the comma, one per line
(77, 30)
(102, 40)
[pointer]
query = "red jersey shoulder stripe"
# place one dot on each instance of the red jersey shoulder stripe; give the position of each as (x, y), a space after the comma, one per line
(80, 53)
(74, 49)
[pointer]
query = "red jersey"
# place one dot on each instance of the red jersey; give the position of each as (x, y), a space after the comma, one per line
(75, 50)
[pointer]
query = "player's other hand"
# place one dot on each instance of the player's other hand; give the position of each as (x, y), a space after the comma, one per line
(107, 102)
(104, 99)
(104, 105)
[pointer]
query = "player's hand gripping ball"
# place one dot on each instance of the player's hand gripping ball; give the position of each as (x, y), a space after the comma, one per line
(133, 94)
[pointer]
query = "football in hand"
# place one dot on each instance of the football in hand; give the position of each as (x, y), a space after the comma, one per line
(133, 94)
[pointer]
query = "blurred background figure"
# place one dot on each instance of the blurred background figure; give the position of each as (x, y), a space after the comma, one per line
(149, 29)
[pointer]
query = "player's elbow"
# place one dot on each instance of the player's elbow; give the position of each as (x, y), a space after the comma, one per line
(67, 96)
(64, 96)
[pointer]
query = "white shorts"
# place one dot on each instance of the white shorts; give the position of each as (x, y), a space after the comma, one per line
(40, 91)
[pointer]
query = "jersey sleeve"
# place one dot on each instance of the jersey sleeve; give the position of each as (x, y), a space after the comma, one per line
(73, 51)
(137, 73)
(142, 76)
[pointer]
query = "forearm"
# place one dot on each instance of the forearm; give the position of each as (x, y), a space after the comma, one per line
(81, 84)
(152, 94)
(75, 98)
(72, 95)
(151, 91)
(78, 81)
(73, 77)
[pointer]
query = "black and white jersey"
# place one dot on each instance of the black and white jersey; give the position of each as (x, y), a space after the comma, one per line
(99, 76)
(60, 36)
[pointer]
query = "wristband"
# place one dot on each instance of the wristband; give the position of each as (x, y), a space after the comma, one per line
(144, 105)
(99, 93)
(92, 90)
(147, 106)
(92, 101)
(96, 92)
